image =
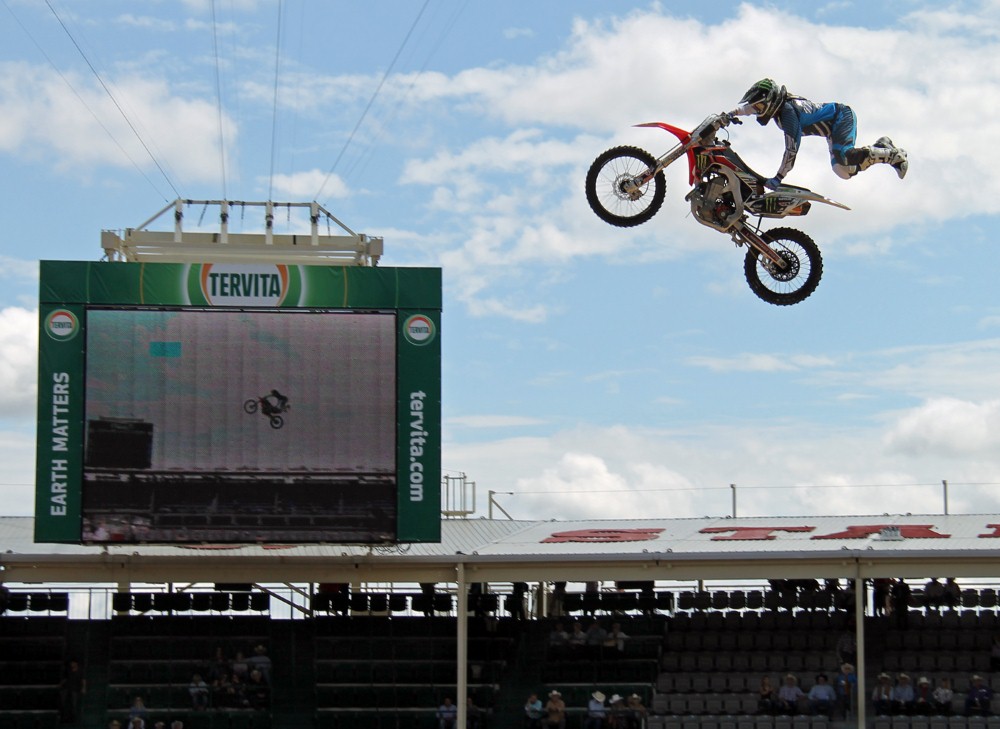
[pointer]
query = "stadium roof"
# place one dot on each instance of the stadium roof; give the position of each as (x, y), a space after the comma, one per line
(482, 550)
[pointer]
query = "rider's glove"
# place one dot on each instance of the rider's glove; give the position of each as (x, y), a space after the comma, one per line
(772, 184)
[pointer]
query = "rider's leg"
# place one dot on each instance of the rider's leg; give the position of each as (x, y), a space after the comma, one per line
(843, 132)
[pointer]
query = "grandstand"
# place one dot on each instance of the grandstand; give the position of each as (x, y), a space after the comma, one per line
(354, 640)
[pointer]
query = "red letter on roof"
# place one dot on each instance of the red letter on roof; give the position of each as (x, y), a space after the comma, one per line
(906, 531)
(605, 535)
(996, 531)
(750, 533)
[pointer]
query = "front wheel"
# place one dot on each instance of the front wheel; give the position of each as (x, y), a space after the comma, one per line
(619, 190)
(797, 280)
(250, 406)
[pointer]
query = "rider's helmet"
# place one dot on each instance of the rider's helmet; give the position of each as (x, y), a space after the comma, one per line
(766, 97)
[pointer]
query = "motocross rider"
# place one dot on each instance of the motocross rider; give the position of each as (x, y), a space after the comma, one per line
(797, 116)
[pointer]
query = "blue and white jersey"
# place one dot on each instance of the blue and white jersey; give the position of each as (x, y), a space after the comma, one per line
(798, 117)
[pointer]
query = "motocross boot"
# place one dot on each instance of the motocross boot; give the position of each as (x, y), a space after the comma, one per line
(885, 152)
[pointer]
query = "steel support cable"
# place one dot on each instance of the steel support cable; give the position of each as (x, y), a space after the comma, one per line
(371, 101)
(274, 115)
(114, 100)
(218, 96)
(365, 157)
(83, 101)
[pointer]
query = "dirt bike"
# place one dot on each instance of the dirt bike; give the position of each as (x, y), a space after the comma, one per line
(626, 186)
(267, 409)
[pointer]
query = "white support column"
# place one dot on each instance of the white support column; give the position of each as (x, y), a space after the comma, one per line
(269, 223)
(224, 222)
(462, 690)
(178, 220)
(859, 636)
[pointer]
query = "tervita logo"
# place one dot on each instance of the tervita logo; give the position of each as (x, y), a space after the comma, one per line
(418, 329)
(62, 325)
(234, 284)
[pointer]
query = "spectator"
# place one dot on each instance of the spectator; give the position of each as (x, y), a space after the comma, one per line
(114, 724)
(942, 697)
(473, 714)
(617, 713)
(822, 697)
(533, 712)
(427, 591)
(518, 591)
(616, 641)
(952, 593)
(880, 595)
(558, 599)
(447, 714)
(257, 691)
(766, 700)
(934, 593)
(137, 722)
(219, 667)
(71, 692)
(260, 661)
(882, 695)
(923, 703)
(596, 712)
(177, 724)
(199, 692)
(902, 695)
(596, 635)
(977, 701)
(846, 687)
(789, 696)
(901, 603)
(240, 667)
(558, 641)
(137, 711)
(555, 711)
(637, 712)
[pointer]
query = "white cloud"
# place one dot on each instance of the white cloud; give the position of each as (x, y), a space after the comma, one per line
(493, 421)
(305, 185)
(46, 120)
(948, 427)
(18, 361)
(751, 362)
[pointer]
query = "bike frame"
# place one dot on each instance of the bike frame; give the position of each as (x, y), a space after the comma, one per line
(686, 146)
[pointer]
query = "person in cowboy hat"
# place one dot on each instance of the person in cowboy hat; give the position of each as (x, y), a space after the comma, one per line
(555, 711)
(882, 694)
(617, 713)
(596, 712)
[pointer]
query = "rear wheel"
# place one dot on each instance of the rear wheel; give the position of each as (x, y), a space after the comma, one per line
(795, 282)
(613, 192)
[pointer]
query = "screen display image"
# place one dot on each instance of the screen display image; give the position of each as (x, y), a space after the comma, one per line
(239, 426)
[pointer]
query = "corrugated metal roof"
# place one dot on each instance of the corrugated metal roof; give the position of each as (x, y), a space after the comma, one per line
(612, 537)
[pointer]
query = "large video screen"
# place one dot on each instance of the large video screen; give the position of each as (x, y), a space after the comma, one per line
(208, 423)
(232, 424)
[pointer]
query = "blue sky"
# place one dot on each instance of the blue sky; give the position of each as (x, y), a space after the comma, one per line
(588, 370)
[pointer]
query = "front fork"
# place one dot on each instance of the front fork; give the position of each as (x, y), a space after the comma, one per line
(635, 187)
(743, 235)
